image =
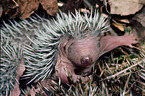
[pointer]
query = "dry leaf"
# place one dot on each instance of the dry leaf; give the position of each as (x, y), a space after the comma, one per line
(138, 22)
(20, 69)
(27, 7)
(50, 6)
(125, 7)
(19, 8)
(10, 7)
(24, 8)
(119, 26)
(124, 20)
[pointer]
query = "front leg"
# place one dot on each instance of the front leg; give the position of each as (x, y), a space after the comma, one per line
(63, 70)
(64, 67)
(108, 43)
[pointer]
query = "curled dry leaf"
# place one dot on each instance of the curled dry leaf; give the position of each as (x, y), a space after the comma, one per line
(20, 69)
(19, 8)
(24, 8)
(10, 7)
(27, 7)
(119, 26)
(125, 7)
(120, 23)
(50, 6)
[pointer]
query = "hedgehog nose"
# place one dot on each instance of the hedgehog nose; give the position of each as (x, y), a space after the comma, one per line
(86, 61)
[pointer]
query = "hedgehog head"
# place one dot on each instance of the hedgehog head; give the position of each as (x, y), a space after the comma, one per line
(83, 52)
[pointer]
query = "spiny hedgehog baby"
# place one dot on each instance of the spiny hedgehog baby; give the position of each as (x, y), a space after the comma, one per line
(70, 45)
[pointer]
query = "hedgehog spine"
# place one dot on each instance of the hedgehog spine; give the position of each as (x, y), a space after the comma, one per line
(38, 39)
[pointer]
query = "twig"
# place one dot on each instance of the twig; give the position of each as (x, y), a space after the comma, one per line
(112, 76)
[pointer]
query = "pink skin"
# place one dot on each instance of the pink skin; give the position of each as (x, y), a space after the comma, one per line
(78, 55)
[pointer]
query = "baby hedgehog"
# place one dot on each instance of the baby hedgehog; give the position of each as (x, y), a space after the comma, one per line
(83, 43)
(70, 44)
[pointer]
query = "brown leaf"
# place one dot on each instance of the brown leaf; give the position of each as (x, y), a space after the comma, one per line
(125, 7)
(27, 7)
(20, 69)
(24, 8)
(19, 8)
(10, 7)
(138, 22)
(50, 6)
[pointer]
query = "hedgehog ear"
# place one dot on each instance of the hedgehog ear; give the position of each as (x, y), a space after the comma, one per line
(62, 45)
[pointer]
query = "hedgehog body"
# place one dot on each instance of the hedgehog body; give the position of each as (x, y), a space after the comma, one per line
(70, 43)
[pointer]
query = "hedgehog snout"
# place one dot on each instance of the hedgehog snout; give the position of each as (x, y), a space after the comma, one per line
(87, 60)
